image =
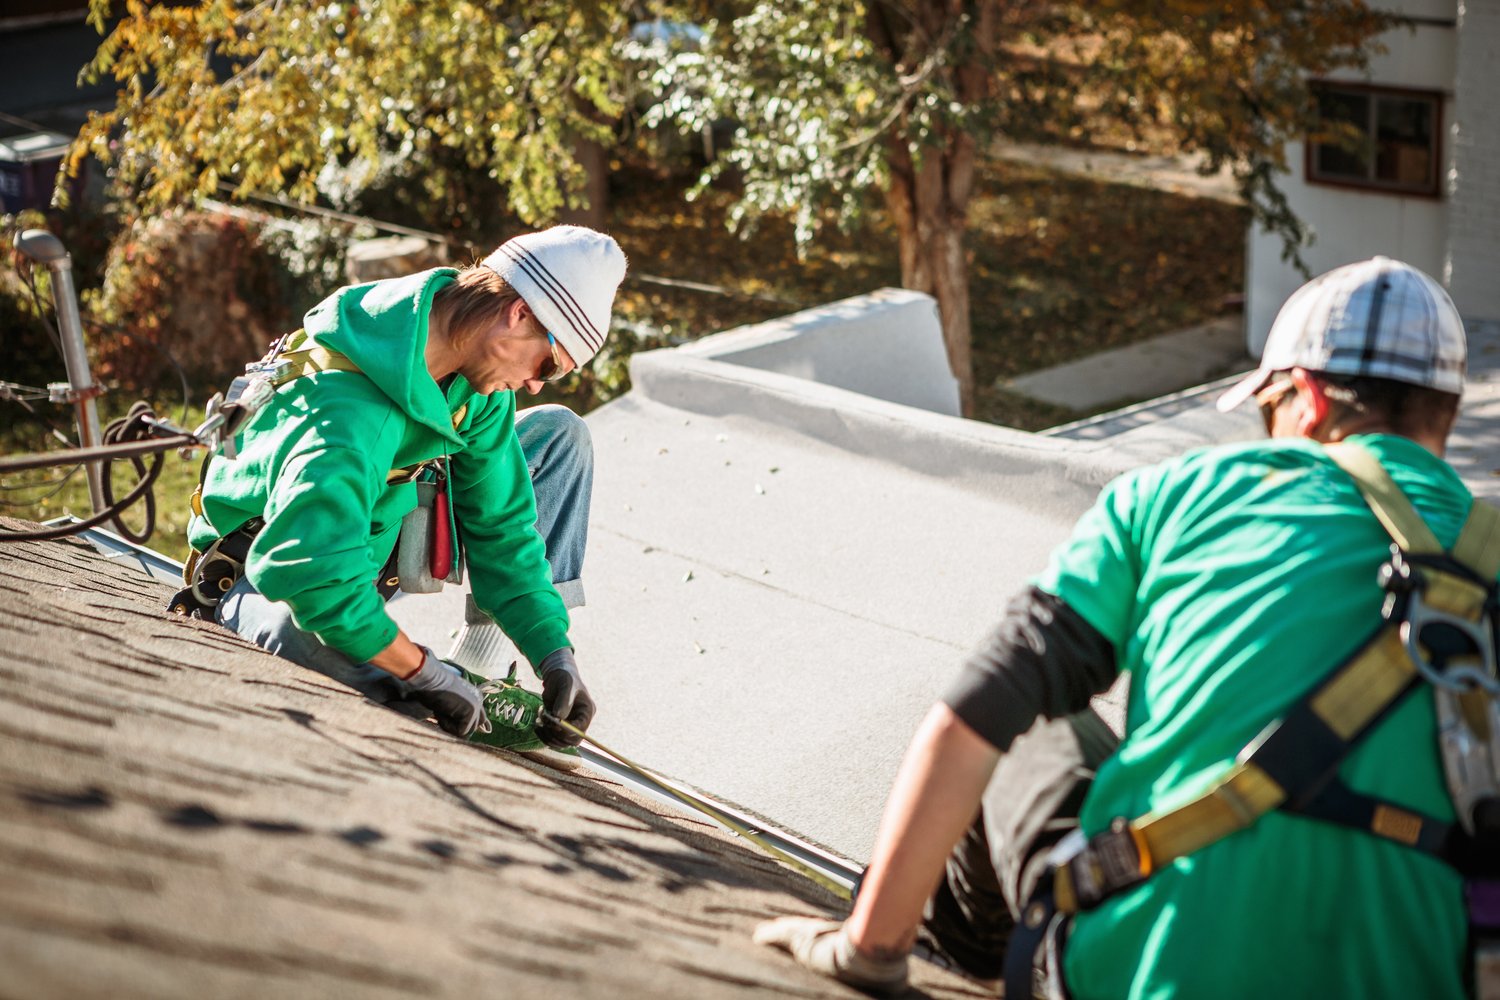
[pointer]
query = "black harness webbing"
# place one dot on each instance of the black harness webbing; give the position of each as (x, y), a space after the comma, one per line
(1293, 764)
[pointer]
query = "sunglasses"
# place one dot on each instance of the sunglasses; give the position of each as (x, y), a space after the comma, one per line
(552, 368)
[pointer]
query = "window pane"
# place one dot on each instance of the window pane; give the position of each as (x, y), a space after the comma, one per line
(1342, 153)
(1404, 141)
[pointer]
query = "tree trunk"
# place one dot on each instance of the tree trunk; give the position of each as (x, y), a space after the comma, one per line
(929, 203)
(930, 187)
(595, 162)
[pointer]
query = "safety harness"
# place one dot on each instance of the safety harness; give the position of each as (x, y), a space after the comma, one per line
(1438, 626)
(212, 573)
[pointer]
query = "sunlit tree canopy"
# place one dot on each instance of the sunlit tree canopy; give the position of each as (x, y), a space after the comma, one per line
(265, 96)
(835, 105)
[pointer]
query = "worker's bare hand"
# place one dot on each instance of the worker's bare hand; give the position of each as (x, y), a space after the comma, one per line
(822, 945)
(563, 697)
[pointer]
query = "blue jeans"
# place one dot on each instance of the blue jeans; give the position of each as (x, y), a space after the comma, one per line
(560, 457)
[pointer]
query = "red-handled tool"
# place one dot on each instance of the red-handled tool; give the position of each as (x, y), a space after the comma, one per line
(441, 563)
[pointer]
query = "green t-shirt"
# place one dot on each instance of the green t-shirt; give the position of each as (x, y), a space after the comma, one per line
(1231, 581)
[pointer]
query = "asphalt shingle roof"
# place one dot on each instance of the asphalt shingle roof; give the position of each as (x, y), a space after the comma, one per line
(182, 814)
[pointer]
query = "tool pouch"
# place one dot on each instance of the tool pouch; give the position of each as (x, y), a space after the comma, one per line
(425, 558)
(211, 574)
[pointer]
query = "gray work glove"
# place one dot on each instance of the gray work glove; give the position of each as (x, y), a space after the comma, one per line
(822, 946)
(563, 697)
(455, 702)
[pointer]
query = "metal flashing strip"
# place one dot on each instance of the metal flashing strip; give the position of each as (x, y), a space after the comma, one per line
(823, 865)
(112, 546)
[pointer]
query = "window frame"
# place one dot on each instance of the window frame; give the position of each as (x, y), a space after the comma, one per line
(1433, 189)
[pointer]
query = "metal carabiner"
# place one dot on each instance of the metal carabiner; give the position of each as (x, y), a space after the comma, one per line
(1419, 618)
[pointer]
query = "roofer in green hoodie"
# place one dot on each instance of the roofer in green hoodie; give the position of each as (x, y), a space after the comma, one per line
(407, 379)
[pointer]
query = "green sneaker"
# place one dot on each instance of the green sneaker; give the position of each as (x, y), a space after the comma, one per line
(510, 716)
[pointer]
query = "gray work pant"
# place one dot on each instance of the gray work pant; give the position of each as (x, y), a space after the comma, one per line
(1031, 803)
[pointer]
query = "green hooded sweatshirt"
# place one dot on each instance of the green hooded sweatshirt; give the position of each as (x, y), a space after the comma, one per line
(314, 464)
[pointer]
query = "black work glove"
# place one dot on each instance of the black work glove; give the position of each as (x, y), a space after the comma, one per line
(563, 697)
(454, 701)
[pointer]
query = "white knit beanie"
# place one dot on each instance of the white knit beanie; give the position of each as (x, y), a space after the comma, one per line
(568, 276)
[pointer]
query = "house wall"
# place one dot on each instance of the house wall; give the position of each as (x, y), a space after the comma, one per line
(1473, 253)
(1350, 224)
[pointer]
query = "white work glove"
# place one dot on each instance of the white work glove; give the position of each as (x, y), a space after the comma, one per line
(822, 946)
(455, 702)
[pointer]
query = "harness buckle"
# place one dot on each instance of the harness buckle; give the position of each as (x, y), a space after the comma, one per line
(1453, 649)
(1114, 859)
(275, 369)
(229, 414)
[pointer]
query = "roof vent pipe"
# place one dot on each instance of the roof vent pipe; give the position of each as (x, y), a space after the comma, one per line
(43, 248)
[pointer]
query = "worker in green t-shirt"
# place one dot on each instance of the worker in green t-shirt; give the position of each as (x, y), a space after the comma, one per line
(1228, 584)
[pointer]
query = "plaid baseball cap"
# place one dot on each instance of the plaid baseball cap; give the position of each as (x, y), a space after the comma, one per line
(1378, 318)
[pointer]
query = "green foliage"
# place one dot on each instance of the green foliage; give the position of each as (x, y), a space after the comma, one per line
(807, 92)
(263, 96)
(832, 96)
(833, 102)
(1062, 267)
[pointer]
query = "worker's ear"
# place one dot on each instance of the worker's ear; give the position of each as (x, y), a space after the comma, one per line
(518, 311)
(1314, 403)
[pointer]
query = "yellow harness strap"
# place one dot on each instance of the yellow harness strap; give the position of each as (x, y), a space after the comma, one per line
(1385, 498)
(1478, 545)
(300, 356)
(303, 360)
(1346, 703)
(309, 360)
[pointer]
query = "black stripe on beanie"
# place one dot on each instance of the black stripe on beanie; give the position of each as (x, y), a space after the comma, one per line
(558, 293)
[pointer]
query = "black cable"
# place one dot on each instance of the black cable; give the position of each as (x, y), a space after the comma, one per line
(45, 534)
(56, 484)
(29, 277)
(98, 453)
(40, 394)
(129, 437)
(131, 427)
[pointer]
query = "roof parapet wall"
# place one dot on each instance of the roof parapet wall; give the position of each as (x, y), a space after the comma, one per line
(887, 345)
(810, 373)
